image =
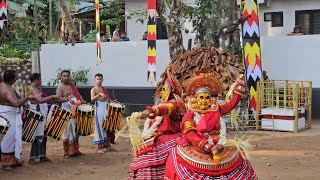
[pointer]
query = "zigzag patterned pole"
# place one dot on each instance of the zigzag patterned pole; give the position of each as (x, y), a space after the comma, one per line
(99, 61)
(3, 13)
(251, 48)
(152, 39)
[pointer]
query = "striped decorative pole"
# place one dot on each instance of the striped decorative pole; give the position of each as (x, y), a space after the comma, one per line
(251, 48)
(152, 39)
(99, 61)
(3, 13)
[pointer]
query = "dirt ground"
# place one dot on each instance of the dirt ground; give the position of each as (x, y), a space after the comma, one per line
(277, 156)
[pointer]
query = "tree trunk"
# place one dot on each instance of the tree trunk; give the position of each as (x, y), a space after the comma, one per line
(66, 16)
(231, 37)
(170, 14)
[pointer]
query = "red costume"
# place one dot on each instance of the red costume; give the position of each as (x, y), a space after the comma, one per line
(161, 134)
(193, 157)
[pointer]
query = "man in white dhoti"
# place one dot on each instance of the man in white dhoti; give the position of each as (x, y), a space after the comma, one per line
(101, 97)
(40, 104)
(10, 103)
(69, 96)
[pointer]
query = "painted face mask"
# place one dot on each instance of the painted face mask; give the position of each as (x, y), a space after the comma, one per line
(204, 100)
(165, 92)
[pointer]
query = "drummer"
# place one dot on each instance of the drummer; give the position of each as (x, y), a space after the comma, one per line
(38, 148)
(10, 103)
(69, 97)
(100, 96)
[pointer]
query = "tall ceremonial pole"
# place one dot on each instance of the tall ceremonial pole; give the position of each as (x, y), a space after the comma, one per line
(99, 60)
(152, 39)
(251, 48)
(3, 13)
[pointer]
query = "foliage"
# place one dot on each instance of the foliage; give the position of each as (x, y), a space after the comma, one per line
(206, 20)
(17, 49)
(13, 61)
(139, 15)
(91, 37)
(115, 13)
(52, 41)
(78, 76)
(234, 48)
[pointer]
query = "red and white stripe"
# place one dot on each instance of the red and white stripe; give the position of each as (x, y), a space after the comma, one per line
(176, 171)
(152, 164)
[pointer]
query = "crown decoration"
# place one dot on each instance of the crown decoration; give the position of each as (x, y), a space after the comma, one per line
(204, 78)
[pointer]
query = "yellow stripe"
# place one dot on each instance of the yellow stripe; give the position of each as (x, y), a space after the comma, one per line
(252, 52)
(152, 52)
(152, 29)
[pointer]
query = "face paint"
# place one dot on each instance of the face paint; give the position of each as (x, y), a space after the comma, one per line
(165, 92)
(204, 100)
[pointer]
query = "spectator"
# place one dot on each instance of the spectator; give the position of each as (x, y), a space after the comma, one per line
(116, 35)
(145, 36)
(124, 37)
(296, 31)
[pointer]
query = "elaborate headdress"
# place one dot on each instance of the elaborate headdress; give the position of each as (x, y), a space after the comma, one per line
(173, 83)
(204, 81)
(175, 88)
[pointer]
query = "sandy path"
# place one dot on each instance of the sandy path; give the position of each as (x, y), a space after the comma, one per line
(277, 156)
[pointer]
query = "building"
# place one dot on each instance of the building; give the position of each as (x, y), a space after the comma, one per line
(124, 63)
(278, 17)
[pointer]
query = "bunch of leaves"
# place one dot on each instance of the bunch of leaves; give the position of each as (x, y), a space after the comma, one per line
(16, 50)
(206, 20)
(13, 61)
(115, 13)
(91, 36)
(52, 41)
(77, 76)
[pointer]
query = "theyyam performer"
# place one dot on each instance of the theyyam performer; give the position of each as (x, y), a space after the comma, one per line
(202, 153)
(161, 132)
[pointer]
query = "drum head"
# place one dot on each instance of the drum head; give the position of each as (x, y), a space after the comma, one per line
(85, 108)
(190, 154)
(4, 122)
(230, 159)
(117, 105)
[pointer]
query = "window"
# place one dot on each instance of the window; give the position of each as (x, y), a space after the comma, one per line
(267, 16)
(309, 21)
(276, 18)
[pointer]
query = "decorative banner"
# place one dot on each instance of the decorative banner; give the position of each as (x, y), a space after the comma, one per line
(251, 48)
(3, 13)
(152, 39)
(99, 61)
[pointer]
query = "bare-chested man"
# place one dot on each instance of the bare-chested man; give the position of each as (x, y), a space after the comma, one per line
(68, 96)
(40, 104)
(101, 97)
(10, 103)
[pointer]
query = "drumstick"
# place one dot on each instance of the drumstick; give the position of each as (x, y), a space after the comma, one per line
(113, 94)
